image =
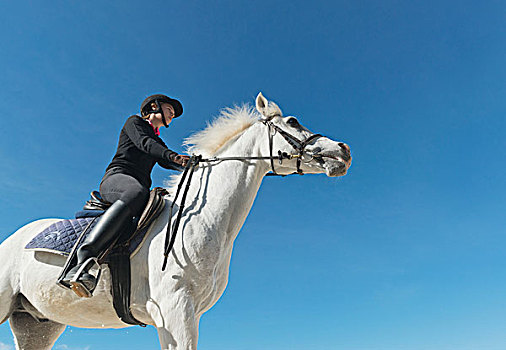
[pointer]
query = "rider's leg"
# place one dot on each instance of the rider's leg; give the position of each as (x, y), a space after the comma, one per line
(108, 228)
(128, 189)
(129, 198)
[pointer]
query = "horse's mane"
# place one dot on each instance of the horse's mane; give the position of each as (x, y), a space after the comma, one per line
(228, 124)
(207, 142)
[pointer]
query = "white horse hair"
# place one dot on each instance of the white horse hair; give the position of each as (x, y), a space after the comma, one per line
(228, 124)
(219, 199)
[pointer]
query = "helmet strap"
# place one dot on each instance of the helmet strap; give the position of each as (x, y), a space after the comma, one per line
(158, 110)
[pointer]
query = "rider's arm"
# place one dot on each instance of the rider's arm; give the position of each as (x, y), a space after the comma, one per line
(174, 162)
(139, 132)
(170, 165)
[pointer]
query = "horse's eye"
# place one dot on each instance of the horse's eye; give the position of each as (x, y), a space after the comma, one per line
(293, 122)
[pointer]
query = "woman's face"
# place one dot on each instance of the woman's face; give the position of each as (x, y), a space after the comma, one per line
(167, 113)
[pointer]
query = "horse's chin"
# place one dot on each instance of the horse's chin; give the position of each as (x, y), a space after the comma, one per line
(336, 168)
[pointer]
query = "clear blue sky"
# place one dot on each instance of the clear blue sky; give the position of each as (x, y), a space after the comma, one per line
(405, 252)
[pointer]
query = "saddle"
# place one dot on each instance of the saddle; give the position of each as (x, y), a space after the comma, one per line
(96, 205)
(117, 257)
(96, 202)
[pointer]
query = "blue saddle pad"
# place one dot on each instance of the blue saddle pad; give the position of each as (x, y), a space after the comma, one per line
(61, 236)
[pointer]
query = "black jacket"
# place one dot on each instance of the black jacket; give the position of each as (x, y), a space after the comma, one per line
(138, 150)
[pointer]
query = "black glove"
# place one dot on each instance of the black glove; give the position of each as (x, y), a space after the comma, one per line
(180, 159)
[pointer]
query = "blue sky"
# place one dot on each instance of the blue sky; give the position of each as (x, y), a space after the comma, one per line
(405, 252)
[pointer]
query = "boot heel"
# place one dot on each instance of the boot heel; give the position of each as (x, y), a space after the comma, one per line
(78, 286)
(80, 289)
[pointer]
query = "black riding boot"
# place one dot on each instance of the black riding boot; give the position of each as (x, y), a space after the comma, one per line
(108, 228)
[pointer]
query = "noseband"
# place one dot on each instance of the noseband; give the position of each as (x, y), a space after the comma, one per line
(297, 144)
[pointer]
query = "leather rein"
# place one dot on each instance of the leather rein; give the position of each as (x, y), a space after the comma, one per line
(298, 145)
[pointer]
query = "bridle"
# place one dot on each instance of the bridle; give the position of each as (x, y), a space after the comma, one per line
(293, 141)
(298, 145)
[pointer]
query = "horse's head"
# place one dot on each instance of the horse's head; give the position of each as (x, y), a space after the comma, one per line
(313, 153)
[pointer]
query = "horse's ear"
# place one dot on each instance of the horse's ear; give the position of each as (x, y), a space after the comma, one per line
(266, 108)
(261, 103)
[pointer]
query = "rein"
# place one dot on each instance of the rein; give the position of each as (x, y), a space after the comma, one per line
(190, 168)
(298, 145)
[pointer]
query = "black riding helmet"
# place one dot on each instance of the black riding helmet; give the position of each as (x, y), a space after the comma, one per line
(158, 100)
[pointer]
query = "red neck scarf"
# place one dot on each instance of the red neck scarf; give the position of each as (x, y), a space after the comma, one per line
(156, 130)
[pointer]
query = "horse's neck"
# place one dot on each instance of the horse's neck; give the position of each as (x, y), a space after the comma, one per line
(224, 192)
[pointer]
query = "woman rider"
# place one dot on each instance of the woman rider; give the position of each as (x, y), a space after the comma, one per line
(127, 181)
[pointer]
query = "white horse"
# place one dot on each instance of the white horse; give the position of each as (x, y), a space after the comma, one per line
(219, 199)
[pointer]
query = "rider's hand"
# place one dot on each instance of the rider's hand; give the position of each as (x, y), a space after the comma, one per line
(181, 159)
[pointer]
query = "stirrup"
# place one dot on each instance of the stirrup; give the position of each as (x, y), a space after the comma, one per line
(78, 286)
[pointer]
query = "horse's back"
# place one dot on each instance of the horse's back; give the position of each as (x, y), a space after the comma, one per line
(12, 250)
(16, 242)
